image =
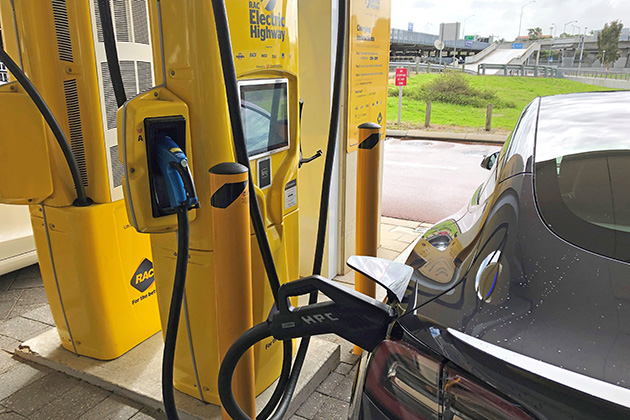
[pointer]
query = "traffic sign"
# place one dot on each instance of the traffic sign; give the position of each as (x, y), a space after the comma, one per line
(468, 44)
(401, 77)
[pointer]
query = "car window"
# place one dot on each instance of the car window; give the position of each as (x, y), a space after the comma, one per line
(582, 177)
(520, 145)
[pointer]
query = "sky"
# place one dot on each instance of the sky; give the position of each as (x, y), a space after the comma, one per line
(501, 18)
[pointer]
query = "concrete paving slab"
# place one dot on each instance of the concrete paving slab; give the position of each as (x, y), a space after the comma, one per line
(137, 374)
(8, 344)
(399, 222)
(7, 362)
(40, 314)
(113, 407)
(6, 280)
(73, 403)
(39, 393)
(21, 328)
(6, 414)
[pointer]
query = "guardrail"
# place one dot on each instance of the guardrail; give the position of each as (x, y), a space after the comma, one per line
(612, 75)
(418, 68)
(520, 70)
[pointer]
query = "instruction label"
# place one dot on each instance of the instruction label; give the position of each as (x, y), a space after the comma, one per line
(368, 67)
(290, 194)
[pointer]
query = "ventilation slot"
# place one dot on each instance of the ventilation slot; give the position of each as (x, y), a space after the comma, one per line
(62, 29)
(128, 72)
(121, 20)
(118, 170)
(145, 81)
(76, 132)
(110, 99)
(97, 16)
(140, 24)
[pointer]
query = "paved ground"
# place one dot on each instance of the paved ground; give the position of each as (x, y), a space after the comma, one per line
(29, 391)
(429, 180)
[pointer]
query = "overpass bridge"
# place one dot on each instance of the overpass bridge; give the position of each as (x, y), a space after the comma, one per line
(415, 44)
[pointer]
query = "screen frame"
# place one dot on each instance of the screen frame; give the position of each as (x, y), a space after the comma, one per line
(262, 82)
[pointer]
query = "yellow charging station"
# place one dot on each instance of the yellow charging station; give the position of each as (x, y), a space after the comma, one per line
(97, 271)
(188, 66)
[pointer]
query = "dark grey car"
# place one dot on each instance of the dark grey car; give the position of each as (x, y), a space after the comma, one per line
(519, 306)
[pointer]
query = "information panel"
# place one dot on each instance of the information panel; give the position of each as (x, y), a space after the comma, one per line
(368, 66)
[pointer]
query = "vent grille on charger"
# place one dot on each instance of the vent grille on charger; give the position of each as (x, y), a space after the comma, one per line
(118, 170)
(76, 133)
(62, 30)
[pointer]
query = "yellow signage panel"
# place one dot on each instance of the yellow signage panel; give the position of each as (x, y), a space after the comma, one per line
(368, 65)
(264, 35)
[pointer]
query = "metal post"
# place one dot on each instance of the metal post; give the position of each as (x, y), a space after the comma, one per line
(581, 52)
(427, 115)
(400, 92)
(368, 198)
(232, 272)
(505, 69)
(489, 118)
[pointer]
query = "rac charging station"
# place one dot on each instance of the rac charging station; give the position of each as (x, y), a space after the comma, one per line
(97, 271)
(204, 146)
(191, 92)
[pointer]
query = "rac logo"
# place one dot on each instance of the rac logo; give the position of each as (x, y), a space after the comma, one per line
(318, 318)
(144, 276)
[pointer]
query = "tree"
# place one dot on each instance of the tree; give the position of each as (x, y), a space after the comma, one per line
(535, 33)
(608, 43)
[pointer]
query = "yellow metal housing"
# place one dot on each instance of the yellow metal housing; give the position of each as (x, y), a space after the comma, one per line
(96, 268)
(98, 278)
(230, 217)
(24, 179)
(133, 153)
(264, 41)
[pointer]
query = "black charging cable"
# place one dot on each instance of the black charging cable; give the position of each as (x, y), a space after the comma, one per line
(111, 52)
(82, 199)
(175, 309)
(288, 377)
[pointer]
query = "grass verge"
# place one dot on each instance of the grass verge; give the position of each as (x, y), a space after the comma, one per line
(513, 94)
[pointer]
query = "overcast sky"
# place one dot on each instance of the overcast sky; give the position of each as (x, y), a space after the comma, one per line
(501, 18)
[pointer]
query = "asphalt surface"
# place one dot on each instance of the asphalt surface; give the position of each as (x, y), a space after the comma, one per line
(426, 181)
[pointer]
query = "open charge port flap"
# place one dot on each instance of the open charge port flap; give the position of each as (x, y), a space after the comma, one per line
(175, 128)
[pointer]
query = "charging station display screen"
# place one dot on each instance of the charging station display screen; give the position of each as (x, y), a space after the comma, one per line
(265, 113)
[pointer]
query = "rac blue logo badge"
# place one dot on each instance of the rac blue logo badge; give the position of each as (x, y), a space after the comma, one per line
(269, 4)
(144, 276)
(240, 56)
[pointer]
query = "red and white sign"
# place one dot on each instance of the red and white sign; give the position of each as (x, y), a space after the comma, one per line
(401, 77)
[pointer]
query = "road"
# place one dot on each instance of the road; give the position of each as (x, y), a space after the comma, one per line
(427, 181)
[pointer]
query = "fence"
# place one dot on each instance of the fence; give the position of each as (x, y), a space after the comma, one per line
(599, 74)
(520, 70)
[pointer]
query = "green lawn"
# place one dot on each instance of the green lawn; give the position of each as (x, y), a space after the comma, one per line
(518, 90)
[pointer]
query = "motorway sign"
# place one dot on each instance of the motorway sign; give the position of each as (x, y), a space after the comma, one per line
(401, 77)
(517, 45)
(468, 44)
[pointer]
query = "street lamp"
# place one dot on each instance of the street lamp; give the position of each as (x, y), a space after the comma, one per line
(426, 28)
(521, 21)
(464, 29)
(564, 30)
(552, 30)
(579, 29)
(603, 57)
